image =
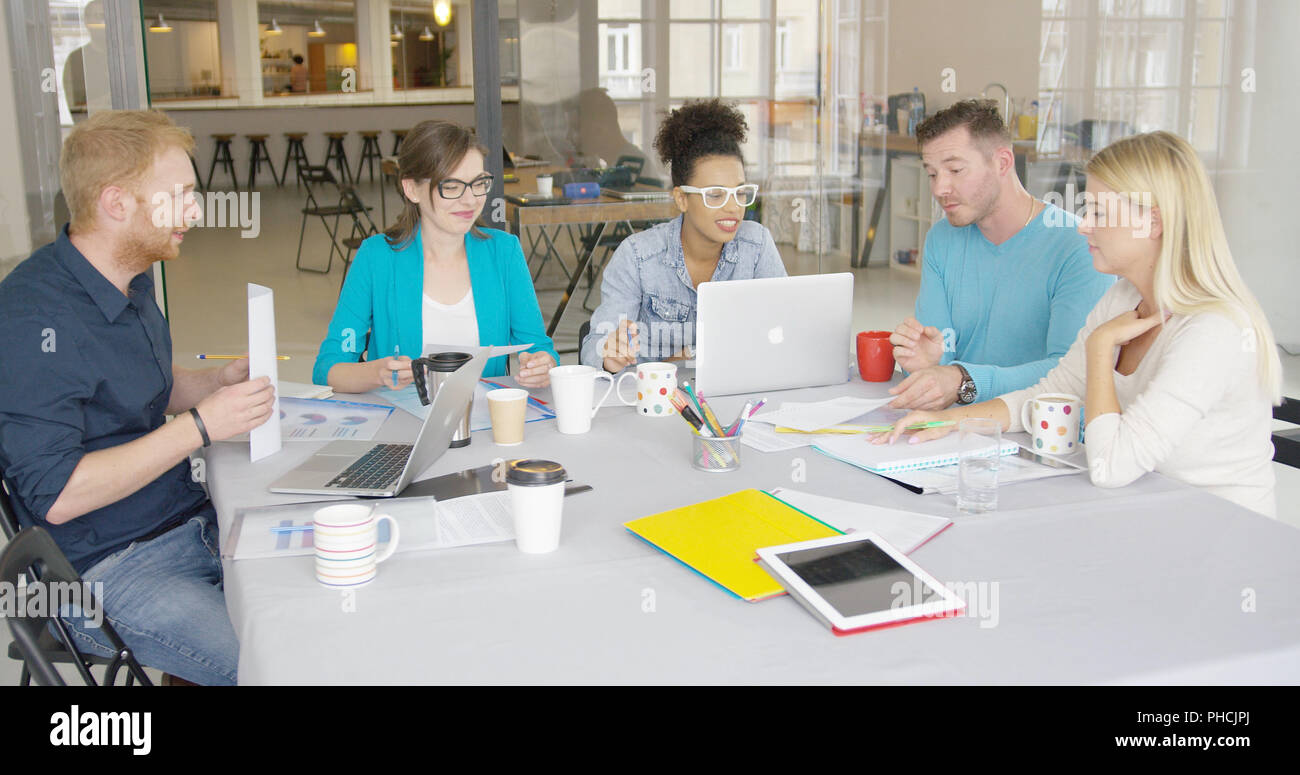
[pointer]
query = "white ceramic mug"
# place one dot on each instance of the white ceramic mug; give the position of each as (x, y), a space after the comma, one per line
(573, 389)
(1052, 421)
(655, 384)
(346, 538)
(544, 186)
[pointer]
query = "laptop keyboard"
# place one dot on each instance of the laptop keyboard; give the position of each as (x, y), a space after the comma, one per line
(375, 470)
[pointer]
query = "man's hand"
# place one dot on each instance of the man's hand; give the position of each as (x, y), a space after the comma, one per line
(620, 348)
(535, 370)
(233, 373)
(916, 347)
(237, 409)
(930, 389)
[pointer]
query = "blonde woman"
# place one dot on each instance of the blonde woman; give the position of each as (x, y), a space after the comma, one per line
(1176, 363)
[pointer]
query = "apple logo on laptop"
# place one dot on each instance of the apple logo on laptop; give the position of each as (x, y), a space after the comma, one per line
(776, 335)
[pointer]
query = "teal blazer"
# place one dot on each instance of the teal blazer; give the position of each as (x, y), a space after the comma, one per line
(384, 293)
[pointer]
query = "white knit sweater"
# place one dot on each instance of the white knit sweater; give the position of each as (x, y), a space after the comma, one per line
(1194, 409)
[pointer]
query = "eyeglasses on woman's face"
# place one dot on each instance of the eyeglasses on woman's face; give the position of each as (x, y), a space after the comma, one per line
(716, 196)
(451, 188)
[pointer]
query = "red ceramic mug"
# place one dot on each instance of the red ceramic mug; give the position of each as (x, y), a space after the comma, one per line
(875, 356)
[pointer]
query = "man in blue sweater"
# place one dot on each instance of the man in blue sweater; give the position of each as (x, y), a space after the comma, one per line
(1006, 280)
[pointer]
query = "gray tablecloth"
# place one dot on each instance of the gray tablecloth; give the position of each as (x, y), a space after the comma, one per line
(1155, 582)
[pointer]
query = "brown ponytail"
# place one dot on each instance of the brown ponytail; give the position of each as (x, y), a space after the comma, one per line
(428, 154)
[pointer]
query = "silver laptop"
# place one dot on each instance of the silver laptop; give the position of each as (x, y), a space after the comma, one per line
(380, 469)
(638, 194)
(773, 333)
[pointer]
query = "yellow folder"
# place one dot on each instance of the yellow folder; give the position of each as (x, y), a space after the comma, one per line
(720, 538)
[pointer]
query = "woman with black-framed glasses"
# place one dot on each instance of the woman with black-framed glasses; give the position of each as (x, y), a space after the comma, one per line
(647, 295)
(435, 277)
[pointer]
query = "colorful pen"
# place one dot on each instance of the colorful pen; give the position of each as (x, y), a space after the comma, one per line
(206, 357)
(397, 352)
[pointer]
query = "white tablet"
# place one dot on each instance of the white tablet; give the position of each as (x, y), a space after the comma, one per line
(856, 582)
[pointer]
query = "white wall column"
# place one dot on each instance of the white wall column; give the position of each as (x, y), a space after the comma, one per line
(241, 53)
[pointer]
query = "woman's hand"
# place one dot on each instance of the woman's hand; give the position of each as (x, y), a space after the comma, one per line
(1122, 329)
(392, 373)
(915, 418)
(620, 348)
(534, 370)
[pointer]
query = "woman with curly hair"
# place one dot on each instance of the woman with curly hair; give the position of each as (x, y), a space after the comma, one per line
(647, 296)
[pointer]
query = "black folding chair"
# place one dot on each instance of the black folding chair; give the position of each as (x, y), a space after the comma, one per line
(1286, 443)
(330, 202)
(33, 554)
(362, 226)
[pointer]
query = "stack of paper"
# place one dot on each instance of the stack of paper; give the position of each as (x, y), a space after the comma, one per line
(815, 415)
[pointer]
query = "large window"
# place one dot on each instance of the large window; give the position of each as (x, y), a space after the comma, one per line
(184, 49)
(1114, 67)
(424, 46)
(308, 48)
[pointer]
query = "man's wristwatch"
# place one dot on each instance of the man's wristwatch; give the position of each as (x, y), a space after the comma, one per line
(966, 391)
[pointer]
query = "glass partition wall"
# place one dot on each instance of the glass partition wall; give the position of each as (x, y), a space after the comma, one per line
(828, 87)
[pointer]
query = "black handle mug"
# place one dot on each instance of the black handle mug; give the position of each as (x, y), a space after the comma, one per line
(430, 372)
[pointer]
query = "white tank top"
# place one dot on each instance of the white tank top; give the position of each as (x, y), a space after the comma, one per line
(450, 324)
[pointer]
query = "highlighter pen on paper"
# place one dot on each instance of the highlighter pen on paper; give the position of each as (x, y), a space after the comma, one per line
(207, 357)
(281, 529)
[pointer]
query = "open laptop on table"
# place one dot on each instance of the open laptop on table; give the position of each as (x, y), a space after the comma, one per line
(773, 333)
(382, 469)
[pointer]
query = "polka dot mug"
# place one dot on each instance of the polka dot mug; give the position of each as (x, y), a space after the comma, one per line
(1052, 420)
(655, 385)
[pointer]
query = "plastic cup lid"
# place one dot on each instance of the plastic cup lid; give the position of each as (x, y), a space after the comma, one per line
(533, 473)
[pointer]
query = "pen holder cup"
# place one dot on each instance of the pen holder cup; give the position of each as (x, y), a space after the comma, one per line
(715, 454)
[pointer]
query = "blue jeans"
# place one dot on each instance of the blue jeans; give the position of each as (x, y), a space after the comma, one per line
(164, 598)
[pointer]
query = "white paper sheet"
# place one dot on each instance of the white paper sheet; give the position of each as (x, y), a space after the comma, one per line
(303, 390)
(765, 438)
(815, 415)
(264, 440)
(906, 530)
(424, 524)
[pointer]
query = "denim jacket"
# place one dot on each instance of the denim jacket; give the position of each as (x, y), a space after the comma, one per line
(646, 281)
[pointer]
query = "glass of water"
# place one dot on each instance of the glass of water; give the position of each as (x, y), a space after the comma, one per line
(977, 465)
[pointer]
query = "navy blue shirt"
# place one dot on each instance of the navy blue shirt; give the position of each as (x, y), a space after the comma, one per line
(83, 368)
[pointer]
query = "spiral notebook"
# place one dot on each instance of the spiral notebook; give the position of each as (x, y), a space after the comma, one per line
(900, 456)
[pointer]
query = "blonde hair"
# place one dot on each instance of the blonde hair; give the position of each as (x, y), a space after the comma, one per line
(113, 148)
(1195, 271)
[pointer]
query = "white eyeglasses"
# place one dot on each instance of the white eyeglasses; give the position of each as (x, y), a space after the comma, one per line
(716, 196)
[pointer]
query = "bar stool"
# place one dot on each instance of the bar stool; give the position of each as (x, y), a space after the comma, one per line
(398, 136)
(198, 176)
(296, 153)
(222, 156)
(369, 153)
(338, 155)
(387, 171)
(257, 156)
